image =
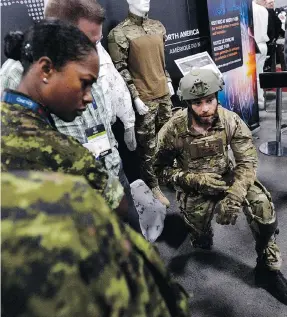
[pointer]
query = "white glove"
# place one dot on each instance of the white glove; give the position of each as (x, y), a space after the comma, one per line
(151, 211)
(130, 138)
(170, 87)
(142, 109)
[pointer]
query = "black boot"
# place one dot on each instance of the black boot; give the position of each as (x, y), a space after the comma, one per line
(272, 281)
(204, 241)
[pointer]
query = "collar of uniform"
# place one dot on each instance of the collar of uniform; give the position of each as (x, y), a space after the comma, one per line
(105, 60)
(183, 124)
(41, 111)
(219, 124)
(136, 19)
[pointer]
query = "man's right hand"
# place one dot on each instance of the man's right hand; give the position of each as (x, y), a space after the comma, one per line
(209, 183)
(142, 109)
(204, 183)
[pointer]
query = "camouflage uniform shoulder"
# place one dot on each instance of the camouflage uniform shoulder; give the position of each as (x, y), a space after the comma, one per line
(117, 39)
(87, 262)
(156, 24)
(179, 121)
(15, 116)
(180, 115)
(175, 126)
(24, 124)
(226, 114)
(231, 121)
(29, 143)
(118, 31)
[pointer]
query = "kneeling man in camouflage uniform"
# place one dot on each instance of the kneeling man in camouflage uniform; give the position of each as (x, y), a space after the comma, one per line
(192, 155)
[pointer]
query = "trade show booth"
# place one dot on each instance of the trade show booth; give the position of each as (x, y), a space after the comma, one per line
(222, 28)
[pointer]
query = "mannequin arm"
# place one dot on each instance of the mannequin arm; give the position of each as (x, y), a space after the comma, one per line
(124, 107)
(118, 48)
(170, 87)
(168, 76)
(169, 81)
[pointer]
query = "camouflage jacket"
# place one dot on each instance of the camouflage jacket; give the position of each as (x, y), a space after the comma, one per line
(65, 254)
(182, 149)
(30, 143)
(119, 39)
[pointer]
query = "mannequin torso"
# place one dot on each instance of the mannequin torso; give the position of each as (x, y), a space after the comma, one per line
(143, 41)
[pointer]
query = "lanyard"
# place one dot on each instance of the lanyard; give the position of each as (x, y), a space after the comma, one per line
(94, 104)
(12, 97)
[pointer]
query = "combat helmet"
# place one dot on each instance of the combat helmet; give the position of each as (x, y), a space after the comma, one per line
(199, 83)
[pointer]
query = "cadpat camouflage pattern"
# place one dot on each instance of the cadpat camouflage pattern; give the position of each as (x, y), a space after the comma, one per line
(30, 143)
(64, 253)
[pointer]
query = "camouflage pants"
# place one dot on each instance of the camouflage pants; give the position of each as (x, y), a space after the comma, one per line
(198, 211)
(147, 127)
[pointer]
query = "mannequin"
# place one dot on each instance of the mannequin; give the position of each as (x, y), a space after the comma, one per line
(136, 47)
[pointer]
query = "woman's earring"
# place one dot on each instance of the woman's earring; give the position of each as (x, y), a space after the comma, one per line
(45, 80)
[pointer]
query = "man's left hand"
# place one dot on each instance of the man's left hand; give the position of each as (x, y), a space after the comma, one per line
(228, 210)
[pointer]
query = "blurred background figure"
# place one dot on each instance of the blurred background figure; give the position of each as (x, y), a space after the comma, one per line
(21, 21)
(285, 50)
(260, 17)
(274, 32)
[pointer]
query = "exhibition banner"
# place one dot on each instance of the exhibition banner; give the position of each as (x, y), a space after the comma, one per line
(225, 36)
(233, 51)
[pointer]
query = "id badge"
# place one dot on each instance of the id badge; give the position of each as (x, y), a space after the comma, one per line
(98, 141)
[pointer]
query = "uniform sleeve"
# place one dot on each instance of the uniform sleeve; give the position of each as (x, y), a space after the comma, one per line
(10, 75)
(82, 162)
(8, 83)
(41, 148)
(245, 156)
(164, 40)
(123, 103)
(166, 153)
(168, 76)
(118, 50)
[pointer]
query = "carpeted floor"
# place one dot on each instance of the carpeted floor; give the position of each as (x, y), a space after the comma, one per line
(220, 282)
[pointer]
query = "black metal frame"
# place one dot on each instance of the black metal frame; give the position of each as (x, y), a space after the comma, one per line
(278, 81)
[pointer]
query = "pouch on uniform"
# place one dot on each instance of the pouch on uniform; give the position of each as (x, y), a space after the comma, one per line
(151, 211)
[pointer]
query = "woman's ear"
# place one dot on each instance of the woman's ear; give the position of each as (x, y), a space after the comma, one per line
(46, 68)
